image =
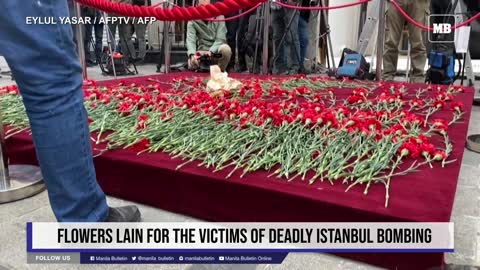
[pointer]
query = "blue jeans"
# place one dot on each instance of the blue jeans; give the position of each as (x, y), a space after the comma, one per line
(303, 36)
(47, 70)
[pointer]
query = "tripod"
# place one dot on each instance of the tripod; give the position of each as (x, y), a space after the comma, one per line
(258, 29)
(282, 40)
(322, 16)
(247, 30)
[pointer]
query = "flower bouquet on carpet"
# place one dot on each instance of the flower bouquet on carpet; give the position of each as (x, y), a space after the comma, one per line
(299, 129)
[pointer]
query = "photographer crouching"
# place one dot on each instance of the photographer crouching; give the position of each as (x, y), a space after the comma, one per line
(207, 43)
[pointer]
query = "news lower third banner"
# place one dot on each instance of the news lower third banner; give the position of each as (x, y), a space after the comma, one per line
(198, 242)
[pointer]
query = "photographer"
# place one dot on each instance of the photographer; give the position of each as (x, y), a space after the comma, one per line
(205, 39)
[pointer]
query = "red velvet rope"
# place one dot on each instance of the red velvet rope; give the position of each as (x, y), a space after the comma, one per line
(175, 13)
(236, 16)
(222, 8)
(360, 2)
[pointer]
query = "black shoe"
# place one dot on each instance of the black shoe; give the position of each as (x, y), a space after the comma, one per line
(241, 69)
(129, 213)
(91, 64)
(302, 70)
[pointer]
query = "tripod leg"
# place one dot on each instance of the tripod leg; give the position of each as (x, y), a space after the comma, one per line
(329, 39)
(294, 42)
(266, 34)
(409, 51)
(258, 27)
(287, 29)
(109, 44)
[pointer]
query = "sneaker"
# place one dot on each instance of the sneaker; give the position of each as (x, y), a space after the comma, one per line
(129, 213)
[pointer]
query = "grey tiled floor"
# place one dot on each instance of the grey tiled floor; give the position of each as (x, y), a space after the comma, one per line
(466, 216)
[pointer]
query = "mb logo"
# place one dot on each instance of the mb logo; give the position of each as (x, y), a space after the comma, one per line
(441, 26)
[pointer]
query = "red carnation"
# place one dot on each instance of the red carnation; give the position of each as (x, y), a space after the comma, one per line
(416, 103)
(360, 92)
(458, 107)
(374, 124)
(12, 89)
(141, 145)
(439, 156)
(409, 149)
(142, 119)
(440, 124)
(459, 89)
(428, 149)
(353, 99)
(342, 110)
(125, 107)
(441, 96)
(439, 104)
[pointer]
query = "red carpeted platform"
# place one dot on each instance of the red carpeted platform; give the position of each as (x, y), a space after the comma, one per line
(151, 179)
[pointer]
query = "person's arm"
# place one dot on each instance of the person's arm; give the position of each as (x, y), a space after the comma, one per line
(191, 40)
(221, 36)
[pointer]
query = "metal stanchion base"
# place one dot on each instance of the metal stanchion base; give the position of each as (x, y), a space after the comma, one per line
(25, 181)
(473, 143)
(476, 101)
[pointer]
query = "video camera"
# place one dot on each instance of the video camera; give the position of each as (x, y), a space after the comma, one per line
(205, 61)
(112, 63)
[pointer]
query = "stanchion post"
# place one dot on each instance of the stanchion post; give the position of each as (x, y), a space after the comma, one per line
(4, 176)
(17, 181)
(380, 39)
(166, 40)
(266, 28)
(80, 43)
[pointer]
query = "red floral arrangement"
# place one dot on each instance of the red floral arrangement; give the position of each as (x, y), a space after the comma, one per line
(359, 133)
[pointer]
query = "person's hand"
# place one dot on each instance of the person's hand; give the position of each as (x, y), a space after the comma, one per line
(194, 60)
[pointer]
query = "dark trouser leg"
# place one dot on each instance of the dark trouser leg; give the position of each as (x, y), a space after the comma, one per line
(292, 41)
(98, 40)
(278, 24)
(126, 44)
(242, 43)
(86, 41)
(232, 27)
(303, 36)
